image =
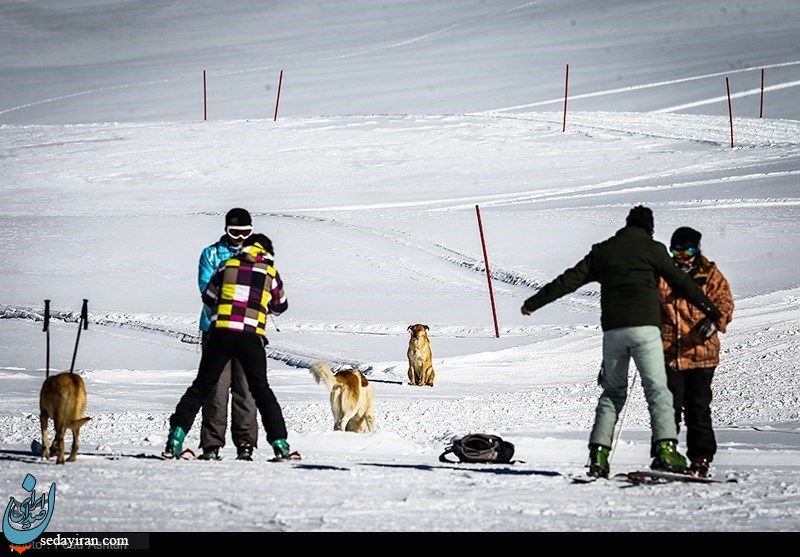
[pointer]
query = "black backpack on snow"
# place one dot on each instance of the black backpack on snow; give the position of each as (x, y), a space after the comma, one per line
(479, 447)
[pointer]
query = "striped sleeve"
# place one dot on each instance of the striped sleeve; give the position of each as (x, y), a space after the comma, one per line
(278, 303)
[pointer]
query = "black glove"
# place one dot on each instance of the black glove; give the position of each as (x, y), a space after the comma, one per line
(706, 328)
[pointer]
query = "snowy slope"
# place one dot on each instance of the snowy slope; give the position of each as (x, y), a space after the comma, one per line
(396, 120)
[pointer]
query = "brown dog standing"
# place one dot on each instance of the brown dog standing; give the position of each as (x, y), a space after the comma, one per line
(63, 400)
(420, 359)
(352, 400)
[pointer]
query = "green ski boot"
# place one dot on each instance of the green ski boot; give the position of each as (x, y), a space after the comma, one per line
(174, 443)
(598, 461)
(668, 458)
(281, 449)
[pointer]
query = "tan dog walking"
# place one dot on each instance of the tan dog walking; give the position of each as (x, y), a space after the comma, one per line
(62, 397)
(420, 359)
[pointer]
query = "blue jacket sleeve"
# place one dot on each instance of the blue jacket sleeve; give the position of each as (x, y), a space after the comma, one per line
(209, 260)
(211, 293)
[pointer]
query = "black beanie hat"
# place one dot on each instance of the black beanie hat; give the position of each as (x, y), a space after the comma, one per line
(642, 217)
(238, 217)
(685, 237)
(262, 239)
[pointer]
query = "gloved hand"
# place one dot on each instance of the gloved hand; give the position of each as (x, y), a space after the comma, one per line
(525, 311)
(706, 328)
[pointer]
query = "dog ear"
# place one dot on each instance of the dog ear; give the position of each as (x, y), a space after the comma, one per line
(409, 327)
(427, 328)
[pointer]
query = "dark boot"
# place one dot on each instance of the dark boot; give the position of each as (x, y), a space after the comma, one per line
(244, 452)
(211, 453)
(700, 467)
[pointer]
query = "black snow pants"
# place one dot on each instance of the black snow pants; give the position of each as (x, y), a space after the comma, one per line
(222, 346)
(232, 385)
(691, 393)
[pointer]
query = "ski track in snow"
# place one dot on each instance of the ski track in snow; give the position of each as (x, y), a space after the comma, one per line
(764, 338)
(165, 326)
(442, 252)
(750, 134)
(631, 88)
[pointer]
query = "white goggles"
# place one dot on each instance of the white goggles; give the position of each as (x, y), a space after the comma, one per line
(239, 232)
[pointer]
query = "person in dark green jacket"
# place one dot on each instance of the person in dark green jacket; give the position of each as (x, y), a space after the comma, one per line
(628, 266)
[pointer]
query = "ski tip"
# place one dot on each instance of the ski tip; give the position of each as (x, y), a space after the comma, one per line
(185, 454)
(577, 479)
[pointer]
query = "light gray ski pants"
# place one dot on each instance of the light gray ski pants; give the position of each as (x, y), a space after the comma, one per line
(643, 344)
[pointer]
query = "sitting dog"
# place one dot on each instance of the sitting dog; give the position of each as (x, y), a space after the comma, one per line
(420, 360)
(63, 400)
(352, 401)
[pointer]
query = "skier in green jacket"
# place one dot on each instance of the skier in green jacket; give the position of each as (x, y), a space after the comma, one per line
(628, 266)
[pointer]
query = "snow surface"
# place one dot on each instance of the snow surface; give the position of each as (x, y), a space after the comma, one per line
(395, 120)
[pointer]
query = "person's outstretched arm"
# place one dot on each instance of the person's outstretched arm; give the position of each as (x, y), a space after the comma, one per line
(567, 282)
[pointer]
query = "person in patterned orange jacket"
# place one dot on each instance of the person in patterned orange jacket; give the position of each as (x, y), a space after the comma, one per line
(691, 346)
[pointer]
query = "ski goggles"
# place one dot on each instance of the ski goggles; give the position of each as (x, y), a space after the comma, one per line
(683, 253)
(239, 232)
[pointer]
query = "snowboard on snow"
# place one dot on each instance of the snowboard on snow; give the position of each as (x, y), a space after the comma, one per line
(653, 477)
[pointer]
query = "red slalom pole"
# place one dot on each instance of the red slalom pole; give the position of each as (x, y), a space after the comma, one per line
(761, 112)
(488, 274)
(278, 99)
(205, 101)
(566, 89)
(730, 109)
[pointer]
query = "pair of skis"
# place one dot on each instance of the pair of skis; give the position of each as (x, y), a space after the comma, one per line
(188, 454)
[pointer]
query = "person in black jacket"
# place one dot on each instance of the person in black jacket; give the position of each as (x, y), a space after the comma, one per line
(628, 266)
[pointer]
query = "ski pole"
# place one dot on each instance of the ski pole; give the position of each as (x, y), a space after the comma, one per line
(84, 321)
(46, 329)
(274, 323)
(622, 419)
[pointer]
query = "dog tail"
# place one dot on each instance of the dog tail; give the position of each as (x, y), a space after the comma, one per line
(77, 424)
(321, 372)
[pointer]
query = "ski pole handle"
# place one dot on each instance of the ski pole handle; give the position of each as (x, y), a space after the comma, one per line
(84, 320)
(85, 314)
(46, 329)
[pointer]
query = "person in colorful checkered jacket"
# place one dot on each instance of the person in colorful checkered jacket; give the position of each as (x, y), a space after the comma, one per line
(232, 385)
(241, 294)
